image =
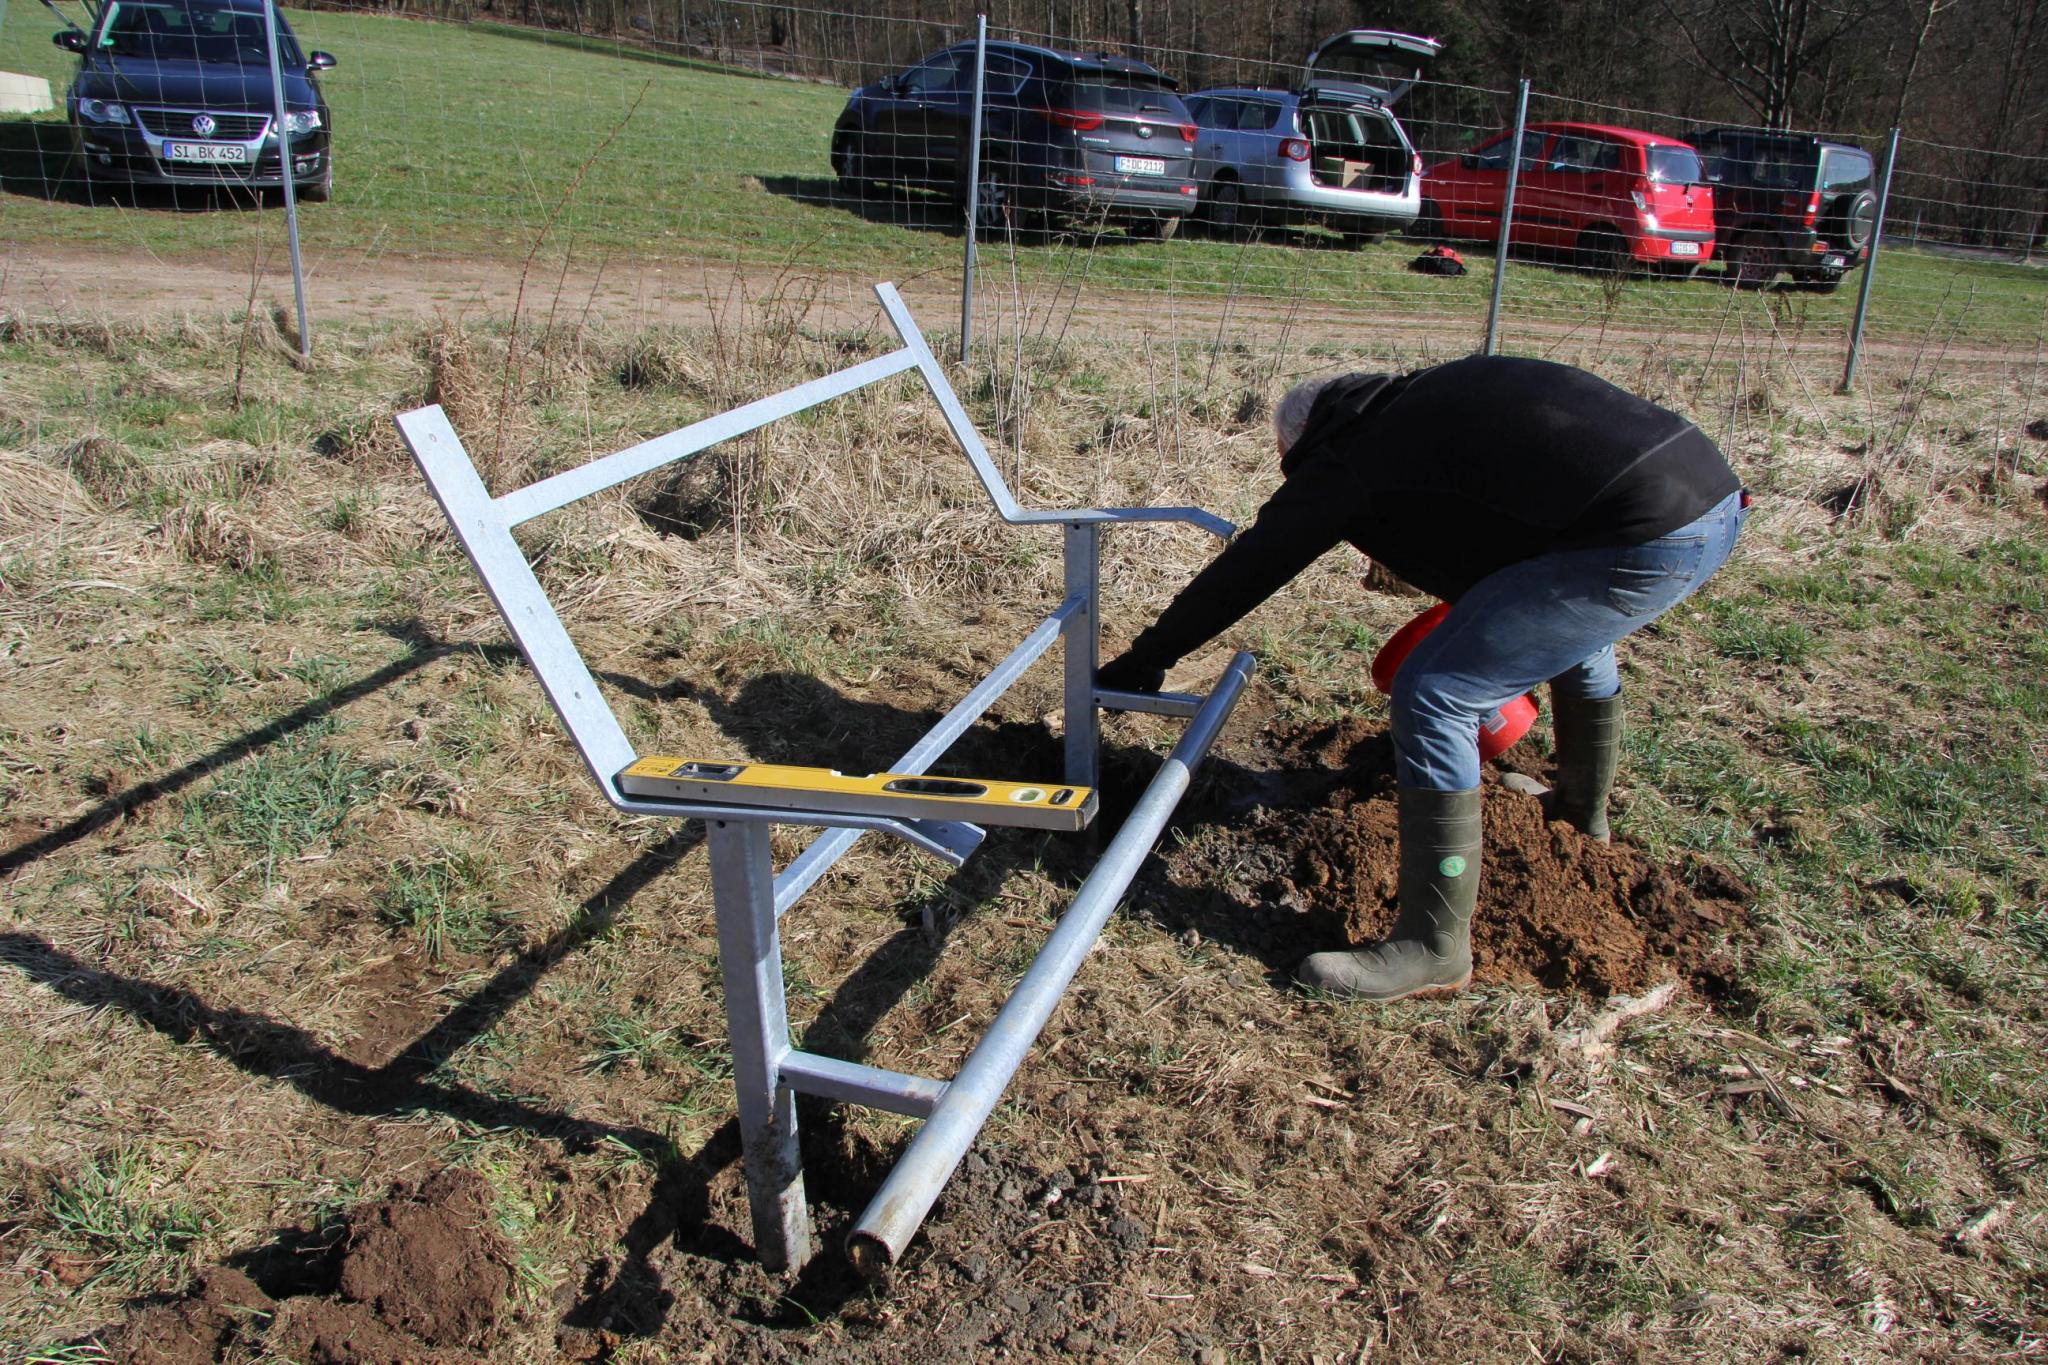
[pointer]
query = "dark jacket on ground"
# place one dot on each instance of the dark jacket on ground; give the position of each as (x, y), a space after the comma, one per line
(1449, 474)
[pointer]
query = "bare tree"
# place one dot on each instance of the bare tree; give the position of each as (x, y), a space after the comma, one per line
(1767, 51)
(1927, 13)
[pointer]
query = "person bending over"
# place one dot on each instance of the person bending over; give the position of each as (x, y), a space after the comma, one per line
(1555, 512)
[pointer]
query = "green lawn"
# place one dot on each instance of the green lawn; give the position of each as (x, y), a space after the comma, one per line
(463, 140)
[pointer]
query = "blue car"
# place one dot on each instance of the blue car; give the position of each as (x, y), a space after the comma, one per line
(1064, 137)
(178, 92)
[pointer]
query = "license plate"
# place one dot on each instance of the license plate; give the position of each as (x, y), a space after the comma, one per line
(1685, 248)
(1140, 165)
(1835, 262)
(208, 153)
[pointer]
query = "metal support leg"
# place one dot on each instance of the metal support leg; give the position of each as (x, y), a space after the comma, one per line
(900, 1206)
(750, 955)
(1083, 637)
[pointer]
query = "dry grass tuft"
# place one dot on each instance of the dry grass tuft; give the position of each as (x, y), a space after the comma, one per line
(234, 469)
(107, 468)
(370, 444)
(89, 334)
(663, 358)
(209, 533)
(470, 377)
(34, 496)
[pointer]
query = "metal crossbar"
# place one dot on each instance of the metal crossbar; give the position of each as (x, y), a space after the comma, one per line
(748, 897)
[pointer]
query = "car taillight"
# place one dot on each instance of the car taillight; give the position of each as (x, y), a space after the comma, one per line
(1294, 148)
(1807, 207)
(1081, 120)
(1187, 132)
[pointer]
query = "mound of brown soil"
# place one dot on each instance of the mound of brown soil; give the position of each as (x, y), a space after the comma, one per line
(429, 1262)
(1321, 842)
(421, 1276)
(195, 1329)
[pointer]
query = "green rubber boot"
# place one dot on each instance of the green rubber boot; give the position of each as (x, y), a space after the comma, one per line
(1588, 750)
(1429, 951)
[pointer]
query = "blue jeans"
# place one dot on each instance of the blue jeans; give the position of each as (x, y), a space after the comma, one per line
(1553, 618)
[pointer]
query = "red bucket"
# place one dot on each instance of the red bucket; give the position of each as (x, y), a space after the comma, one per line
(1498, 732)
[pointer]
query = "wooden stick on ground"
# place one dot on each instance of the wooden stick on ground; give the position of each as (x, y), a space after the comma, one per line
(1592, 1040)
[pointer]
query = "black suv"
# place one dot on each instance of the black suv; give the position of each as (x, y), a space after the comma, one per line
(178, 92)
(1784, 203)
(1063, 136)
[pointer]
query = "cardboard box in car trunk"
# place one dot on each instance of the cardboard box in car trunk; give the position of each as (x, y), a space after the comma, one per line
(1332, 170)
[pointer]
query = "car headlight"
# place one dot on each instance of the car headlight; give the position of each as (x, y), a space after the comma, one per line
(301, 121)
(102, 111)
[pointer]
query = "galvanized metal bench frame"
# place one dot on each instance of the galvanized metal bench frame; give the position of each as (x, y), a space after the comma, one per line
(748, 895)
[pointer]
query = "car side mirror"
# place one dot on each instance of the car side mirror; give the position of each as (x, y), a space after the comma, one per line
(319, 61)
(70, 39)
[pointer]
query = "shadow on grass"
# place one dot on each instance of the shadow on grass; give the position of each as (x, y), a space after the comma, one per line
(37, 162)
(888, 205)
(936, 211)
(125, 803)
(774, 716)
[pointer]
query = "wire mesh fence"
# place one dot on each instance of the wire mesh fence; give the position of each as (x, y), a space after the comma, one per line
(1175, 179)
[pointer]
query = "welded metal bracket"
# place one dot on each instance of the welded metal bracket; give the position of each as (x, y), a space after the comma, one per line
(748, 897)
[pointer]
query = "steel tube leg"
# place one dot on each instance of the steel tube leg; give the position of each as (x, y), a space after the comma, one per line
(899, 1207)
(750, 956)
(1083, 633)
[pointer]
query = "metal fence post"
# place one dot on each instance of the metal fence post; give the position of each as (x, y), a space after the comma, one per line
(1507, 218)
(973, 183)
(284, 167)
(1083, 638)
(750, 958)
(1884, 195)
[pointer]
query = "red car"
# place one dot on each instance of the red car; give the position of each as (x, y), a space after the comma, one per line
(1611, 197)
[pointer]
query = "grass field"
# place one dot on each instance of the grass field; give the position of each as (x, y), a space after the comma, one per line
(455, 140)
(341, 1020)
(307, 898)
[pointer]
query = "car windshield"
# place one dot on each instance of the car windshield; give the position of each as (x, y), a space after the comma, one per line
(1675, 165)
(192, 30)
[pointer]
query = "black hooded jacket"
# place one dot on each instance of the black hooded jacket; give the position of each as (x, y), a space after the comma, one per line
(1449, 474)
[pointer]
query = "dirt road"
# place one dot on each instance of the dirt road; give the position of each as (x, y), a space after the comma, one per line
(64, 283)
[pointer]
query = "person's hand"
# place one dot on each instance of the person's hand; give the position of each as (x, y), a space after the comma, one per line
(1125, 674)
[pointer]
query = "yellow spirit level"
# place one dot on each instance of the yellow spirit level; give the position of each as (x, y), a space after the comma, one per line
(910, 796)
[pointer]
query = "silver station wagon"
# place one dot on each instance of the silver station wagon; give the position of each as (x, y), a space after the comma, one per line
(1327, 152)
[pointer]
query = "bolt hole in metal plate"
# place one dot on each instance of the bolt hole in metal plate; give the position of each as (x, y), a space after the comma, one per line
(913, 796)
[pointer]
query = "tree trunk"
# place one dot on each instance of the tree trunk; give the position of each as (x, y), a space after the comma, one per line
(1934, 7)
